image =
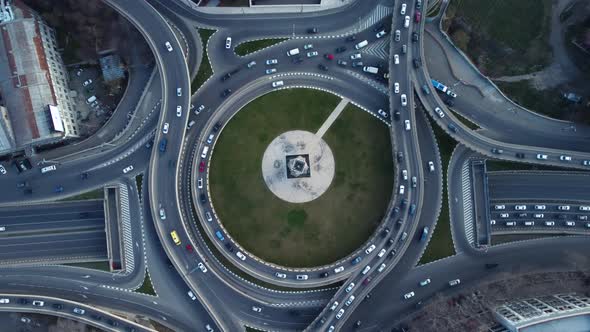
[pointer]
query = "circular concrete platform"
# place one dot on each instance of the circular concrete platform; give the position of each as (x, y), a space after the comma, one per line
(298, 166)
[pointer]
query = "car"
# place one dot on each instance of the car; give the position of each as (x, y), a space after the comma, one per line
(520, 207)
(328, 56)
(382, 113)
(451, 93)
(504, 215)
(529, 223)
(565, 158)
(583, 217)
(404, 99)
(417, 16)
(162, 213)
(209, 328)
(396, 59)
(425, 282)
(241, 256)
(324, 275)
(271, 62)
(500, 207)
(405, 174)
(407, 125)
(355, 56)
(367, 280)
(414, 181)
(201, 166)
(58, 189)
(381, 253)
(563, 207)
(251, 64)
(168, 46)
(4, 301)
(357, 64)
(409, 295)
(342, 63)
(454, 282)
(178, 92)
(339, 269)
(341, 49)
(38, 303)
(351, 38)
(297, 60)
(520, 155)
(402, 189)
(334, 305)
(2, 170)
(210, 138)
(339, 314)
(199, 109)
(540, 207)
(431, 166)
(87, 82)
(302, 277)
(323, 67)
(165, 128)
(584, 208)
(396, 87)
(452, 127)
(549, 223)
(366, 269)
(312, 30)
(541, 156)
(179, 111)
(586, 162)
(203, 198)
(570, 223)
(439, 111)
(280, 275)
(349, 287)
(380, 34)
(415, 37)
(208, 216)
(227, 43)
(127, 169)
(270, 71)
(510, 224)
(398, 35)
(307, 46)
(370, 249)
(226, 93)
(538, 215)
(277, 84)
(403, 9)
(381, 268)
(497, 151)
(349, 301)
(25, 320)
(79, 311)
(312, 54)
(406, 22)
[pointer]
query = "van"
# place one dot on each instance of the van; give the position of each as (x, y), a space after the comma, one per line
(190, 124)
(294, 51)
(91, 100)
(361, 44)
(204, 153)
(370, 69)
(48, 169)
(175, 237)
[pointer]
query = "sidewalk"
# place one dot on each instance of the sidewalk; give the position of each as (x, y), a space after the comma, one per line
(325, 5)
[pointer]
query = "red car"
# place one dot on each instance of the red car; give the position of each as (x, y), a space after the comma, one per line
(202, 167)
(417, 16)
(368, 280)
(189, 248)
(329, 56)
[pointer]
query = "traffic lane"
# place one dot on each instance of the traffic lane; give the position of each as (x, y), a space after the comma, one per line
(58, 216)
(387, 306)
(89, 244)
(539, 185)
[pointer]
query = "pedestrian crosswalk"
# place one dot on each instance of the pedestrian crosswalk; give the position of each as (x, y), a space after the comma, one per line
(376, 15)
(467, 202)
(127, 239)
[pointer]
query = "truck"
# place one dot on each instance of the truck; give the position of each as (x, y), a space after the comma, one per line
(439, 86)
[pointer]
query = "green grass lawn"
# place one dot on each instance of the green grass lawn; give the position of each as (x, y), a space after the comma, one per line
(205, 70)
(256, 45)
(146, 287)
(316, 232)
(102, 266)
(94, 194)
(441, 243)
(503, 37)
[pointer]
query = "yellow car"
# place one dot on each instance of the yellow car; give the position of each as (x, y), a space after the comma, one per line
(175, 238)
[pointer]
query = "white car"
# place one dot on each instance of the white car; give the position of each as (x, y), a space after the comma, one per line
(179, 111)
(209, 328)
(272, 62)
(179, 92)
(4, 301)
(241, 256)
(402, 189)
(349, 301)
(79, 311)
(407, 124)
(406, 22)
(425, 282)
(199, 109)
(339, 314)
(439, 112)
(520, 207)
(366, 269)
(302, 277)
(312, 54)
(549, 223)
(396, 59)
(210, 138)
(540, 207)
(381, 253)
(256, 309)
(570, 224)
(168, 46)
(504, 215)
(202, 267)
(334, 306)
(403, 9)
(405, 174)
(227, 43)
(2, 170)
(38, 303)
(87, 83)
(165, 128)
(307, 46)
(350, 287)
(451, 93)
(270, 71)
(404, 99)
(538, 215)
(277, 84)
(381, 267)
(500, 207)
(355, 56)
(541, 156)
(584, 208)
(200, 183)
(370, 249)
(208, 216)
(431, 166)
(409, 295)
(339, 269)
(162, 214)
(454, 282)
(529, 223)
(127, 169)
(565, 158)
(280, 275)
(191, 295)
(396, 87)
(380, 34)
(563, 207)
(382, 113)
